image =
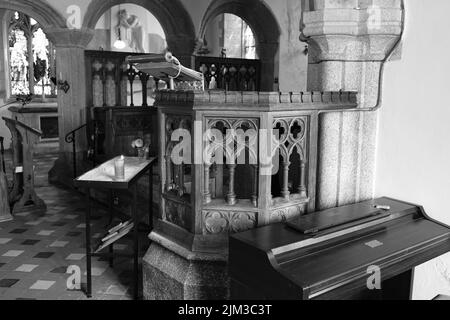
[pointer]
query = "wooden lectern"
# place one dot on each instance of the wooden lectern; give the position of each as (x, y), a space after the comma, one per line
(5, 210)
(23, 197)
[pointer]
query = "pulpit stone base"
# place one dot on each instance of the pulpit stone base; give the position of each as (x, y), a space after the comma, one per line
(169, 276)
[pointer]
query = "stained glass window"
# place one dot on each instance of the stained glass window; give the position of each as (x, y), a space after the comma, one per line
(31, 58)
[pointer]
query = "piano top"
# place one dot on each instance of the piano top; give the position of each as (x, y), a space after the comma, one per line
(280, 236)
(320, 262)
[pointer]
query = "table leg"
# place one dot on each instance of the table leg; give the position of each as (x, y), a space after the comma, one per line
(111, 212)
(150, 197)
(136, 243)
(88, 244)
(111, 215)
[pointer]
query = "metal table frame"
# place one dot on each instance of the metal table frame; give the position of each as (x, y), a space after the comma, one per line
(130, 182)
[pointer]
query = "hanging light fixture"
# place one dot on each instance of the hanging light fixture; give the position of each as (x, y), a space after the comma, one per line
(119, 43)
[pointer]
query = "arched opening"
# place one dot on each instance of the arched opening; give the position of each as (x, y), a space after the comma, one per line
(38, 18)
(42, 19)
(31, 57)
(175, 21)
(263, 25)
(129, 28)
(228, 34)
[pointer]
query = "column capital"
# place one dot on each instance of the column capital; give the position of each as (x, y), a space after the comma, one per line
(353, 30)
(70, 38)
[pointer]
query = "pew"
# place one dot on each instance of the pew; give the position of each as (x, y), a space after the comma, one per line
(23, 197)
(5, 210)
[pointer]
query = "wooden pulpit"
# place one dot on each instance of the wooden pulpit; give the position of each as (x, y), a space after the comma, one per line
(23, 197)
(5, 210)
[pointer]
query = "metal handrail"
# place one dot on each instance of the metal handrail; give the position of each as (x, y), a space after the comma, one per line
(2, 153)
(71, 138)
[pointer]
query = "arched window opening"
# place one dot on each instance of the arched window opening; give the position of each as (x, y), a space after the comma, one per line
(239, 40)
(129, 28)
(229, 35)
(31, 58)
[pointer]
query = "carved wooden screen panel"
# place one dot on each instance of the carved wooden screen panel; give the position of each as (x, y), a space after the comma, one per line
(290, 183)
(177, 188)
(229, 74)
(233, 143)
(112, 82)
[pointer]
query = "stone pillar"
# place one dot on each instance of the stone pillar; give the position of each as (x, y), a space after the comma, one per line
(267, 53)
(349, 42)
(70, 67)
(4, 72)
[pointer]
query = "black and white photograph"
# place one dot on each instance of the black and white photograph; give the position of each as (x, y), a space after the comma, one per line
(224, 155)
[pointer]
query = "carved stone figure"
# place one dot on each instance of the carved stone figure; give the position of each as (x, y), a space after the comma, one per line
(134, 34)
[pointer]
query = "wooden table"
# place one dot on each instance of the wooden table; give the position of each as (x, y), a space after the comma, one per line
(103, 177)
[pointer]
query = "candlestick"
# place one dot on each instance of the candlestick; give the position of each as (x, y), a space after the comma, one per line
(119, 168)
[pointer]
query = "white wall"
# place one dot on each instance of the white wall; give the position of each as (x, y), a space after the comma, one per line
(414, 128)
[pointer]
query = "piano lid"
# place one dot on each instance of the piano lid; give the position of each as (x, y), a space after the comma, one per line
(402, 237)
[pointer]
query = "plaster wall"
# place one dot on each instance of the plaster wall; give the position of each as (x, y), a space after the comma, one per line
(413, 142)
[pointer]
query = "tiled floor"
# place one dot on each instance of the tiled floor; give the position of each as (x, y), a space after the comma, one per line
(36, 250)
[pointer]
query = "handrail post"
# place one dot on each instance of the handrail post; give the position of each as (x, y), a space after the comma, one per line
(2, 151)
(70, 138)
(74, 155)
(94, 160)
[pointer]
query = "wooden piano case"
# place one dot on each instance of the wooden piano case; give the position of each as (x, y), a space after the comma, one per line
(280, 262)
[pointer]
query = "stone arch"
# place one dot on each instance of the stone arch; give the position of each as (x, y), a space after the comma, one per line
(41, 11)
(172, 16)
(264, 25)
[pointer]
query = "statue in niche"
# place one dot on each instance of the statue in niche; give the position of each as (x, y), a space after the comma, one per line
(134, 33)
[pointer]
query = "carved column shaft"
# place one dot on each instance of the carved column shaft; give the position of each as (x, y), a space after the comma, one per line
(231, 197)
(169, 178)
(255, 186)
(285, 188)
(302, 186)
(206, 192)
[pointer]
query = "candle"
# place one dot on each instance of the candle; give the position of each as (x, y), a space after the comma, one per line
(119, 168)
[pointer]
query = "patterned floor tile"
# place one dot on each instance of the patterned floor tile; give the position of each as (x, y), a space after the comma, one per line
(42, 285)
(29, 260)
(45, 233)
(8, 283)
(59, 244)
(44, 255)
(13, 253)
(18, 231)
(116, 290)
(73, 234)
(97, 272)
(60, 270)
(75, 256)
(26, 268)
(59, 224)
(5, 240)
(30, 242)
(33, 223)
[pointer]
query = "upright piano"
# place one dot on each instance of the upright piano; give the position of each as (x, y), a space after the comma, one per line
(337, 254)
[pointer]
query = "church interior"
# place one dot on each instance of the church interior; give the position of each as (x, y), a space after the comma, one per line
(224, 149)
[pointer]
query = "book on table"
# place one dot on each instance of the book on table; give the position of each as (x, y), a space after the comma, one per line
(114, 235)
